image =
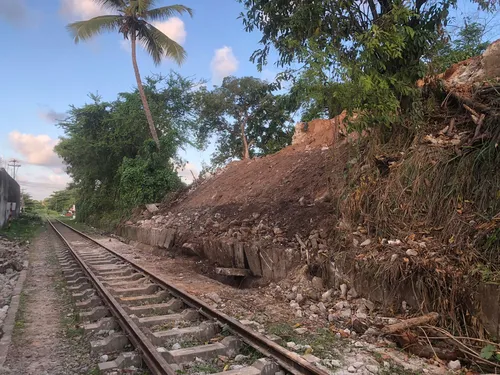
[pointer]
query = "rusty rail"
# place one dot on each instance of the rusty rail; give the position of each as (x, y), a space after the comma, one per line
(290, 361)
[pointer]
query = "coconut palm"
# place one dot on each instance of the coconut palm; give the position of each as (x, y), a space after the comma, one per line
(133, 18)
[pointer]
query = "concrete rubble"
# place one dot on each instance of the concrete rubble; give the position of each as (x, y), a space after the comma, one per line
(11, 264)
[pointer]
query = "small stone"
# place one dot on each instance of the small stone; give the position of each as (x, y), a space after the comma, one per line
(214, 297)
(411, 252)
(359, 344)
(301, 330)
(372, 368)
(325, 297)
(255, 215)
(311, 358)
(358, 364)
(335, 363)
(317, 283)
(291, 345)
(394, 257)
(361, 315)
(300, 298)
(314, 308)
(343, 291)
(104, 358)
(294, 288)
(290, 296)
(302, 201)
(422, 245)
(366, 242)
(236, 367)
(294, 305)
(299, 314)
(394, 242)
(277, 230)
(240, 358)
(322, 307)
(331, 318)
(352, 292)
(176, 346)
(345, 313)
(454, 365)
(351, 369)
(355, 242)
(340, 305)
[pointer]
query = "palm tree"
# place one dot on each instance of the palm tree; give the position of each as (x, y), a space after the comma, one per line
(132, 19)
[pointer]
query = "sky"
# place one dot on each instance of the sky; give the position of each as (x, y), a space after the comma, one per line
(43, 72)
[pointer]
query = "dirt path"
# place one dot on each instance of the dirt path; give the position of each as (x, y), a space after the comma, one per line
(41, 345)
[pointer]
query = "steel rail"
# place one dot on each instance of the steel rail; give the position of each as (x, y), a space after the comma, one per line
(290, 361)
(153, 360)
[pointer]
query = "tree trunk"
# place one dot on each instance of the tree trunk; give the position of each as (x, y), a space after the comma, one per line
(246, 153)
(145, 104)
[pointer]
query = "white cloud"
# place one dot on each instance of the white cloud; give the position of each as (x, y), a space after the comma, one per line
(173, 28)
(223, 64)
(36, 149)
(41, 185)
(76, 10)
(186, 173)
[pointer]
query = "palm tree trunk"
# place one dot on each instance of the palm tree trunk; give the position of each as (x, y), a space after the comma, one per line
(145, 104)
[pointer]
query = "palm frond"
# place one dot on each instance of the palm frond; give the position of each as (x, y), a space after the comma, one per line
(158, 45)
(83, 30)
(144, 5)
(159, 14)
(111, 4)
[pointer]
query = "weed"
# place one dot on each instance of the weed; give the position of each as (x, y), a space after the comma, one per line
(323, 342)
(24, 228)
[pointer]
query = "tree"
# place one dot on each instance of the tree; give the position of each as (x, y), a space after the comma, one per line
(113, 161)
(245, 116)
(468, 42)
(133, 21)
(375, 47)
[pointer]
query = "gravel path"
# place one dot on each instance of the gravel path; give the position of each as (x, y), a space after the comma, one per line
(41, 344)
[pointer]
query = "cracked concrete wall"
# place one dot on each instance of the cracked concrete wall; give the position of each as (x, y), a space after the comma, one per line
(10, 197)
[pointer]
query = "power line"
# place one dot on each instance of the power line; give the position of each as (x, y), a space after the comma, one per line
(14, 163)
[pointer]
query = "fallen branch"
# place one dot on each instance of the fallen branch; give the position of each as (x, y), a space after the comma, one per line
(408, 323)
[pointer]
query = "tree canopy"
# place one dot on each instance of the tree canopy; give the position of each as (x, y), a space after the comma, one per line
(107, 148)
(246, 118)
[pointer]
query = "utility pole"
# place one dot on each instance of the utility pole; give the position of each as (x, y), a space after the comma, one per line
(14, 163)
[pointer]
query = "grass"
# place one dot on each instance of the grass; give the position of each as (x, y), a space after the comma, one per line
(24, 228)
(323, 342)
(20, 316)
(82, 227)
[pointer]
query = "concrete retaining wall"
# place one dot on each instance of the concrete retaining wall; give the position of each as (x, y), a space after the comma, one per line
(10, 197)
(272, 263)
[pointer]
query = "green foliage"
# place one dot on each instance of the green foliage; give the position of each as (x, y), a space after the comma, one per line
(147, 178)
(245, 116)
(23, 228)
(61, 201)
(376, 49)
(467, 43)
(490, 352)
(108, 152)
(133, 21)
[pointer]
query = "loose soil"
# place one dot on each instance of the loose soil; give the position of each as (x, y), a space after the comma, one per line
(41, 345)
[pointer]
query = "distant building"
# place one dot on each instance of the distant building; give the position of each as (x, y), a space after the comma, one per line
(10, 198)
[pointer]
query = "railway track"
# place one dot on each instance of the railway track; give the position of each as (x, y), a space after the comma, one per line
(139, 320)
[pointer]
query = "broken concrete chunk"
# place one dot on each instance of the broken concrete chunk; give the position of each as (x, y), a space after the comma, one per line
(152, 208)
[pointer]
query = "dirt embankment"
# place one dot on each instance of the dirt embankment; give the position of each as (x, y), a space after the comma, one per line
(412, 223)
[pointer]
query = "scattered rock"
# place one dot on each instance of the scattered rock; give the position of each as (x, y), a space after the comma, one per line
(104, 358)
(152, 208)
(454, 365)
(300, 298)
(240, 358)
(351, 369)
(327, 296)
(176, 346)
(343, 291)
(317, 283)
(411, 252)
(394, 242)
(301, 330)
(214, 297)
(366, 242)
(372, 368)
(394, 257)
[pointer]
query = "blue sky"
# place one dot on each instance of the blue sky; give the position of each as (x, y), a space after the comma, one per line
(46, 72)
(43, 72)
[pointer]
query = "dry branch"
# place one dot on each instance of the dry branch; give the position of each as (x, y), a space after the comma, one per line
(412, 322)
